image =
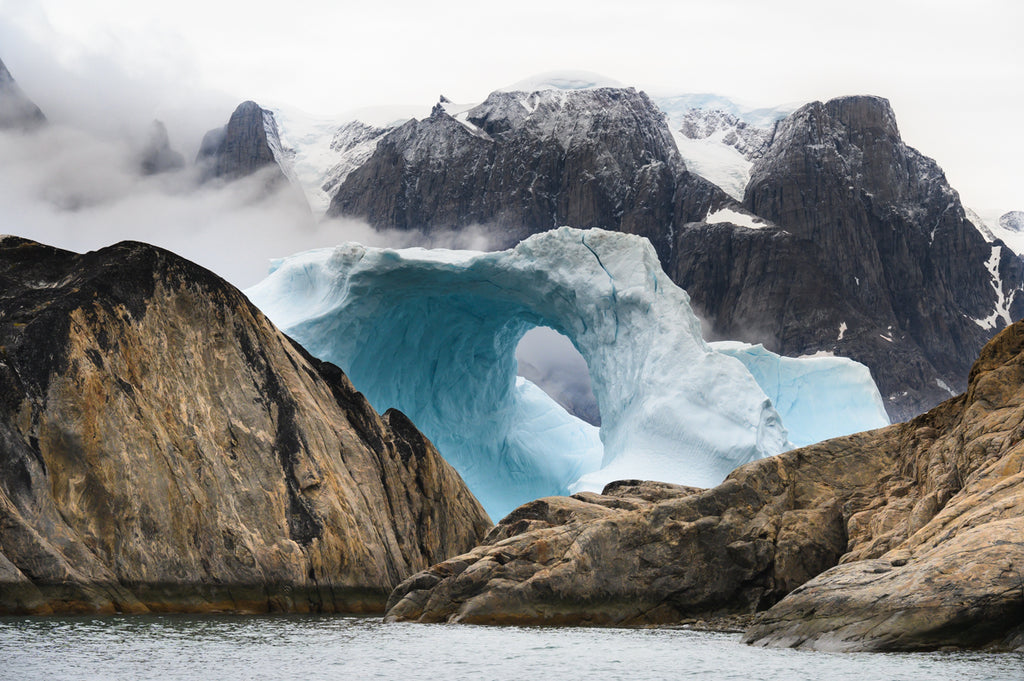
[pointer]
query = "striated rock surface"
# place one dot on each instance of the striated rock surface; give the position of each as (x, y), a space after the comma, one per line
(526, 162)
(247, 144)
(157, 155)
(924, 520)
(164, 448)
(16, 109)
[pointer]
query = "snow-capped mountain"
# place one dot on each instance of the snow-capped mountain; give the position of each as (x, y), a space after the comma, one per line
(523, 162)
(867, 229)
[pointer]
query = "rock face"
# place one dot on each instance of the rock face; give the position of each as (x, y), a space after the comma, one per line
(164, 448)
(16, 110)
(247, 144)
(883, 265)
(924, 520)
(157, 156)
(526, 162)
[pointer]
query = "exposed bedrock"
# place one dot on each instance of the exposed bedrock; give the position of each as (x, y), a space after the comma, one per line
(912, 289)
(920, 523)
(164, 448)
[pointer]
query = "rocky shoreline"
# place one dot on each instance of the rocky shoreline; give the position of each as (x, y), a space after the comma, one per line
(903, 538)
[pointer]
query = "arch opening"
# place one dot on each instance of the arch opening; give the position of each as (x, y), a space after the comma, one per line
(434, 334)
(550, 361)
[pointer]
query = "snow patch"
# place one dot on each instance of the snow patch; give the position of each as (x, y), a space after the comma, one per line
(1002, 307)
(942, 384)
(842, 330)
(716, 162)
(735, 217)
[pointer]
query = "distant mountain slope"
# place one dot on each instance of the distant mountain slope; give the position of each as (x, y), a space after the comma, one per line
(16, 109)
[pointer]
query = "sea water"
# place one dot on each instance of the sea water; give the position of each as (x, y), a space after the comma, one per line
(226, 648)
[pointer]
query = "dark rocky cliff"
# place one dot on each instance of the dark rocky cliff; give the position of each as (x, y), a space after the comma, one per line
(164, 448)
(243, 146)
(16, 109)
(523, 163)
(903, 538)
(883, 266)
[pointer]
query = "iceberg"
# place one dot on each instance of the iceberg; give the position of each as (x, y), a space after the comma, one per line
(818, 397)
(434, 334)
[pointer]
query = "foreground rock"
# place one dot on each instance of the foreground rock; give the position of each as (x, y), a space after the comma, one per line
(924, 520)
(164, 448)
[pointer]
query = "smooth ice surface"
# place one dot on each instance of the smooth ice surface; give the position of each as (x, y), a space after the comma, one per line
(818, 397)
(435, 335)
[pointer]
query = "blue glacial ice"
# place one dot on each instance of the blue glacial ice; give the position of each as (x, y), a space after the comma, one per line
(818, 397)
(434, 332)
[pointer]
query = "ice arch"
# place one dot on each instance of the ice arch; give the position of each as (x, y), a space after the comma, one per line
(433, 333)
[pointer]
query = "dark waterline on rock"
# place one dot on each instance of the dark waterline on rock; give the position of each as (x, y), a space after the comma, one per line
(310, 647)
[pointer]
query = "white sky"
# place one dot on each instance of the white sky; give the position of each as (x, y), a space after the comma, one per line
(954, 71)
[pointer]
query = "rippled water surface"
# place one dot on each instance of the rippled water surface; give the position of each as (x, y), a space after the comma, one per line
(332, 647)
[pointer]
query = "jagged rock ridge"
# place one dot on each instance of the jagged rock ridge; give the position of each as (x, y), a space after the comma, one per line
(16, 109)
(526, 162)
(164, 448)
(920, 523)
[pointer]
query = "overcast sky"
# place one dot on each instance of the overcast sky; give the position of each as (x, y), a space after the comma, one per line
(954, 71)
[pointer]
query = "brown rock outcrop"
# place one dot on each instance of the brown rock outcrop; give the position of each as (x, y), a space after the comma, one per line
(164, 448)
(924, 518)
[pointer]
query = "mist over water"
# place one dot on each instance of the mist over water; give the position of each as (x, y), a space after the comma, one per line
(229, 648)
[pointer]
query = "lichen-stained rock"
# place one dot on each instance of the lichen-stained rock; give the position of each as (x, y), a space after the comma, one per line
(164, 448)
(924, 520)
(939, 559)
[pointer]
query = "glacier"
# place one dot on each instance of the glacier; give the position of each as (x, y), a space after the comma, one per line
(434, 333)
